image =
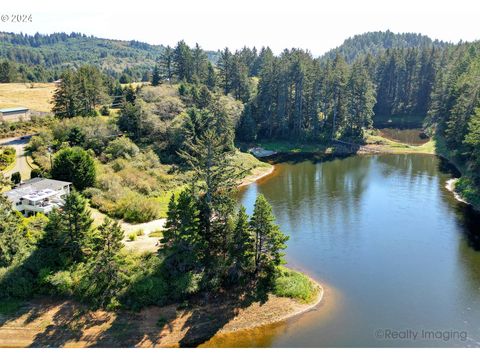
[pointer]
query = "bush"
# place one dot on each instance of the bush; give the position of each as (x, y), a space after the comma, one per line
(104, 110)
(467, 189)
(35, 173)
(121, 147)
(295, 285)
(137, 209)
(16, 178)
(7, 157)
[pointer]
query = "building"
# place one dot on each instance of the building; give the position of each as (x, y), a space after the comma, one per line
(39, 195)
(15, 114)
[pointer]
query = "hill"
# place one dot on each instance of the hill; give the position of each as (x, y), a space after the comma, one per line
(376, 42)
(47, 55)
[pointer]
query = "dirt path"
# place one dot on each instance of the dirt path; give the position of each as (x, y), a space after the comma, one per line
(47, 323)
(143, 241)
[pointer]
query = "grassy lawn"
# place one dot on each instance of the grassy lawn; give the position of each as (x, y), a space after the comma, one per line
(35, 96)
(295, 285)
(399, 148)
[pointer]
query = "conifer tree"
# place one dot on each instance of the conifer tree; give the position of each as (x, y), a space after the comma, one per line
(104, 276)
(156, 76)
(269, 241)
(13, 242)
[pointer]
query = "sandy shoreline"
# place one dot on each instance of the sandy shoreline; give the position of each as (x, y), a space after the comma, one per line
(258, 174)
(51, 323)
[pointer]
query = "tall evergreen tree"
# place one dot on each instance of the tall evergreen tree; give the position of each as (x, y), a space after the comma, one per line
(156, 76)
(269, 241)
(13, 242)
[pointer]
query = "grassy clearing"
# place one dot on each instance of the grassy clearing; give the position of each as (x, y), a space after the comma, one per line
(35, 96)
(395, 147)
(295, 285)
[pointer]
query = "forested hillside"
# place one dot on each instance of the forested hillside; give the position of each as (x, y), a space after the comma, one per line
(377, 42)
(42, 58)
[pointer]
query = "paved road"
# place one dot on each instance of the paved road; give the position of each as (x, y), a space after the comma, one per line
(21, 163)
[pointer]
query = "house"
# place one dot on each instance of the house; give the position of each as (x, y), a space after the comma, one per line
(39, 195)
(15, 114)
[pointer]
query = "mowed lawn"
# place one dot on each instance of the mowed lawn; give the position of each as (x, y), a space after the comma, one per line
(35, 96)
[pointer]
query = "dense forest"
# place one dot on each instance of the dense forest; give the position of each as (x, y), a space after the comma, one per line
(42, 58)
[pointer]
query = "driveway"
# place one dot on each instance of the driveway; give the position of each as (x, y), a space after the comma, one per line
(21, 164)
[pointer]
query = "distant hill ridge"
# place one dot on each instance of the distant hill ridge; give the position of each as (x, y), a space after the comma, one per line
(376, 42)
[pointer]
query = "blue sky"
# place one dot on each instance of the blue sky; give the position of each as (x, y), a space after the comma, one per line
(316, 25)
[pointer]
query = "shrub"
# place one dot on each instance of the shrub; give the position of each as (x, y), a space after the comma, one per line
(294, 284)
(121, 147)
(104, 110)
(137, 209)
(35, 173)
(466, 188)
(16, 178)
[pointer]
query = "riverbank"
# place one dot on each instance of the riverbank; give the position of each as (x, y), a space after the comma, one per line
(374, 144)
(450, 186)
(257, 174)
(50, 323)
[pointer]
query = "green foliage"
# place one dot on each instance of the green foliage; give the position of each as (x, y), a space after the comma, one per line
(468, 190)
(56, 51)
(69, 233)
(7, 156)
(104, 277)
(13, 235)
(9, 306)
(137, 209)
(16, 178)
(75, 165)
(375, 43)
(295, 285)
(121, 147)
(269, 241)
(182, 239)
(79, 92)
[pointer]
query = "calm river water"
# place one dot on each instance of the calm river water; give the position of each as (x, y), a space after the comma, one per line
(398, 256)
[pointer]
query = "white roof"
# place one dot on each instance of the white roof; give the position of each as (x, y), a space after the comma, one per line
(39, 195)
(35, 189)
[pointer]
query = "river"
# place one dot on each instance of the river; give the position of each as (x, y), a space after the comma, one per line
(398, 255)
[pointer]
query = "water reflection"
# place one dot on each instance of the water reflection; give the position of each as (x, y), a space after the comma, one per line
(385, 232)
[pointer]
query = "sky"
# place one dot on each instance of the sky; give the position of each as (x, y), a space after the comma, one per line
(315, 25)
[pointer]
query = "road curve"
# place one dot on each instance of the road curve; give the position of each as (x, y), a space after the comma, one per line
(21, 164)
